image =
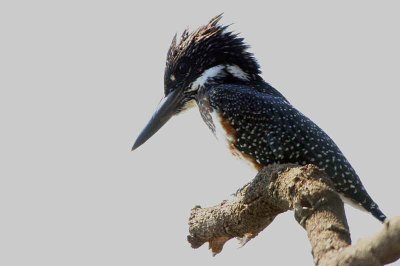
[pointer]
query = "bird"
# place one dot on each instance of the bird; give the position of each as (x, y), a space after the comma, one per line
(212, 67)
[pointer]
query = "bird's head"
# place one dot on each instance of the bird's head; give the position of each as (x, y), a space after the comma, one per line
(210, 54)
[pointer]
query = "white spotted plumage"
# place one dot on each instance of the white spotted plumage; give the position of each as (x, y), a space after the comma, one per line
(251, 117)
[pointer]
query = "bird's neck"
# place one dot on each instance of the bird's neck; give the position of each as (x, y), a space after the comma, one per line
(232, 74)
(223, 74)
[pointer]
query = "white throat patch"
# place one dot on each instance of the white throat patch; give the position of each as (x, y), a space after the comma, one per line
(207, 74)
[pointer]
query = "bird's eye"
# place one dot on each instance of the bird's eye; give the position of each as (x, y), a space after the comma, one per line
(183, 68)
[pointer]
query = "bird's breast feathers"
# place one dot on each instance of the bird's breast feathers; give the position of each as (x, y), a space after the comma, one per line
(227, 135)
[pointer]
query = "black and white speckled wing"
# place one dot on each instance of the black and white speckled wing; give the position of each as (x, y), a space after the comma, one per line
(270, 130)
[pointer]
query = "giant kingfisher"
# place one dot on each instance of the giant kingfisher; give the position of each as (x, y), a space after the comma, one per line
(212, 67)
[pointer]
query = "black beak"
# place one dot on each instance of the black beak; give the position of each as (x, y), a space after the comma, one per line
(166, 109)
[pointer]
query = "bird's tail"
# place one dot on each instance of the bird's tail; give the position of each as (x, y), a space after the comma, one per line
(367, 205)
(370, 206)
(377, 213)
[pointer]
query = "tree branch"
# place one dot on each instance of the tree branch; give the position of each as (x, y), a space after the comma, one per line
(317, 207)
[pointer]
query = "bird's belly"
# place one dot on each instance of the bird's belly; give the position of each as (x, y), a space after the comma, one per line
(227, 135)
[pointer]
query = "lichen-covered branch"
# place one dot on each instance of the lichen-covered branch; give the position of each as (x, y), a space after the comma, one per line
(317, 207)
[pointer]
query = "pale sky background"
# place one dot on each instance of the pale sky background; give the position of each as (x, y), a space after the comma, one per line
(80, 79)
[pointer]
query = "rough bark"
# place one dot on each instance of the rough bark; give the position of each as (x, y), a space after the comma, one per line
(317, 207)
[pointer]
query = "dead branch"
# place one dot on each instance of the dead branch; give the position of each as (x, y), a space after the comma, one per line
(317, 207)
